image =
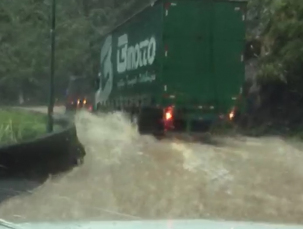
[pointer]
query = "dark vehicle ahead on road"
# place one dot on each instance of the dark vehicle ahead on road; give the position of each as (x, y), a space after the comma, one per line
(79, 94)
(177, 65)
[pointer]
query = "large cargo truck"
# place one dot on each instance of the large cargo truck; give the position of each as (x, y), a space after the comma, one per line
(176, 65)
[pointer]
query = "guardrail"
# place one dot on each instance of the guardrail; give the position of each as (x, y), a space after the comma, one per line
(48, 154)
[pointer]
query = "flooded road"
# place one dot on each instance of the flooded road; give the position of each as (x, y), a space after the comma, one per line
(128, 176)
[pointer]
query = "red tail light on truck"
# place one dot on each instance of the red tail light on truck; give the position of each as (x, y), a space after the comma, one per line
(168, 118)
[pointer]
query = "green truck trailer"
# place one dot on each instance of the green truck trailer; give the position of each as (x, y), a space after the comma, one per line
(175, 65)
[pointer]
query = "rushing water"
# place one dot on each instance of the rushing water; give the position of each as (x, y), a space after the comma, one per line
(128, 176)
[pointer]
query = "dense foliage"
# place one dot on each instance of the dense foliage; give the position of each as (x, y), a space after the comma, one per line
(25, 41)
(278, 27)
(280, 23)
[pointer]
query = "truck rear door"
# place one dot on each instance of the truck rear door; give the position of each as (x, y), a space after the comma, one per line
(228, 31)
(203, 41)
(186, 70)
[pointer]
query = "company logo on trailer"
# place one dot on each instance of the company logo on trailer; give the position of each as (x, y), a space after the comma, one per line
(128, 58)
(136, 56)
(106, 74)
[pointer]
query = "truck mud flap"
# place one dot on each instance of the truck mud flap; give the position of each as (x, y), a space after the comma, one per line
(150, 122)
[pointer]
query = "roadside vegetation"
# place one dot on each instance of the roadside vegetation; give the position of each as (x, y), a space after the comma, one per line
(275, 82)
(25, 43)
(17, 126)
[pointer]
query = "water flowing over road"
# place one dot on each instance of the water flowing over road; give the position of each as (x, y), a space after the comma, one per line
(128, 176)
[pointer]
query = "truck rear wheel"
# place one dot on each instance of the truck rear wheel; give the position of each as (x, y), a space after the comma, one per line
(150, 121)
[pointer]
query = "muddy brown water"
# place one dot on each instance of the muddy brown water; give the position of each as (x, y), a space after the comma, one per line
(128, 176)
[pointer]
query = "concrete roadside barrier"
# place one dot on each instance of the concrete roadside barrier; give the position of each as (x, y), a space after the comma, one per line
(47, 154)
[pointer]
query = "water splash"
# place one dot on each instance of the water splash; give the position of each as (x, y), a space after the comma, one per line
(129, 176)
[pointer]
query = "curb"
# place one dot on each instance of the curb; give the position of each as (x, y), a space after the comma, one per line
(49, 154)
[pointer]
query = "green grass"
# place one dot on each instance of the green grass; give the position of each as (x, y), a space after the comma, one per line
(17, 126)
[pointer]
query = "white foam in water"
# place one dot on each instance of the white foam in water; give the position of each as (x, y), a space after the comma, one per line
(128, 176)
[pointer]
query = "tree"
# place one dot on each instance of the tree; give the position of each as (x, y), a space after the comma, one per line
(25, 42)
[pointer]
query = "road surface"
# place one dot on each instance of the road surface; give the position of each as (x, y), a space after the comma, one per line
(128, 176)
